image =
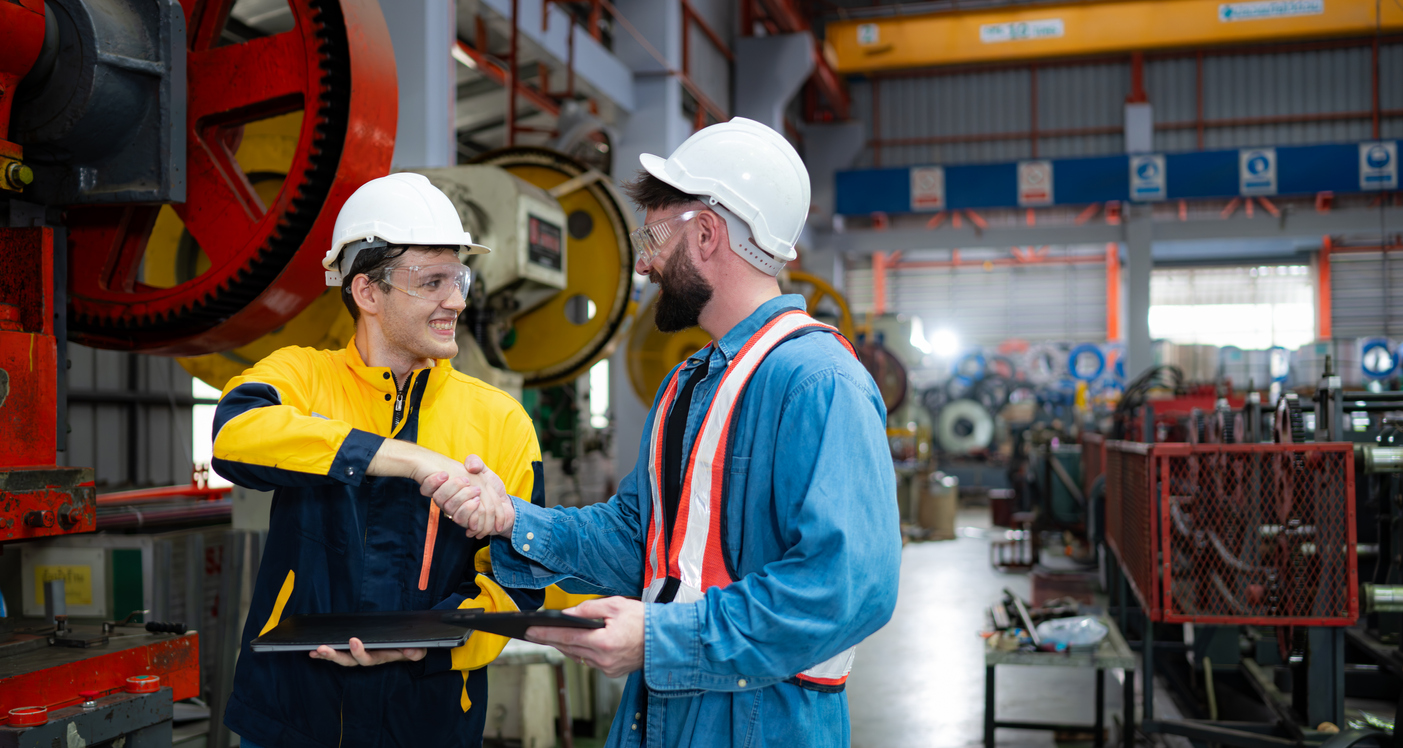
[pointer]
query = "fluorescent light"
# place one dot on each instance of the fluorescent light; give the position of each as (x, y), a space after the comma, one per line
(463, 57)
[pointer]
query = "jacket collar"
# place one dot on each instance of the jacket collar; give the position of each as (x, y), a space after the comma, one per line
(731, 343)
(375, 375)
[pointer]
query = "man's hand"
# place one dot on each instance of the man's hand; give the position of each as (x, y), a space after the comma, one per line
(477, 501)
(362, 657)
(616, 649)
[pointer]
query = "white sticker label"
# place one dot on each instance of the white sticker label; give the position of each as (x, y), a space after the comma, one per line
(1378, 166)
(993, 33)
(927, 188)
(867, 34)
(1034, 183)
(1147, 181)
(1256, 171)
(1265, 9)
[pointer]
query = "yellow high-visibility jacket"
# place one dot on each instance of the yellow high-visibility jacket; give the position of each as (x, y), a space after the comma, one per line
(305, 424)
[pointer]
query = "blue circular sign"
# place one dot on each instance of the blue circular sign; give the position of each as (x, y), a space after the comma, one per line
(1147, 170)
(1257, 163)
(1376, 157)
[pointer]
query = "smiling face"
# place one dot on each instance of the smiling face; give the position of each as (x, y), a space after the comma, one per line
(416, 328)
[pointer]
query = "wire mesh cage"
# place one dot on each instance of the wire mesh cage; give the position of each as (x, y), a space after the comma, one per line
(1236, 533)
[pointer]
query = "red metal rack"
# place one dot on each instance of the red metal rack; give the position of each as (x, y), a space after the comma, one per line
(1236, 533)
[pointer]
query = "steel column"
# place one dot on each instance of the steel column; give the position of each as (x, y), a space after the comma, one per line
(1139, 235)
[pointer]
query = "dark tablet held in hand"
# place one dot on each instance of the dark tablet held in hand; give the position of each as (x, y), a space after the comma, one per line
(514, 624)
(407, 628)
(397, 629)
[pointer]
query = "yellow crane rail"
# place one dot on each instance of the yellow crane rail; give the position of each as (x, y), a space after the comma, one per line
(1046, 31)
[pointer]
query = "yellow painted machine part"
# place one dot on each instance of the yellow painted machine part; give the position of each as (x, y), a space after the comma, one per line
(265, 152)
(652, 354)
(821, 289)
(545, 337)
(918, 41)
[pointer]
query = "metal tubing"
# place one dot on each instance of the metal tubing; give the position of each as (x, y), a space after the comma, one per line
(1382, 459)
(989, 706)
(1381, 598)
(1208, 686)
(1099, 741)
(1128, 707)
(1147, 673)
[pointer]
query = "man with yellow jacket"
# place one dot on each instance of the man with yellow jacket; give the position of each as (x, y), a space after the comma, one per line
(345, 439)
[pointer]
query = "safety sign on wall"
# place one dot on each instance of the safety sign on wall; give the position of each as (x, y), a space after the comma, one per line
(1034, 183)
(1256, 171)
(927, 188)
(1147, 181)
(1378, 166)
(867, 34)
(1265, 9)
(1048, 28)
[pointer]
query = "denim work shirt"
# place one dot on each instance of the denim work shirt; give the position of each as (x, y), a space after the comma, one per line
(811, 525)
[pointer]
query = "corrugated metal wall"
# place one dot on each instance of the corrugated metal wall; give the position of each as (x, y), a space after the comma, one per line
(1039, 301)
(1317, 93)
(1361, 295)
(129, 418)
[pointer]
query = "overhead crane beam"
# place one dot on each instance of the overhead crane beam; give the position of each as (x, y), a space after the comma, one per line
(1089, 28)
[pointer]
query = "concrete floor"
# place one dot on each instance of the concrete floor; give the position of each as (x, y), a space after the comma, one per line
(920, 680)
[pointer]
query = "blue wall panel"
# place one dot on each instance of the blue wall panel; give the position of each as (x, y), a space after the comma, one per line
(1301, 170)
(1091, 180)
(981, 185)
(1201, 174)
(873, 191)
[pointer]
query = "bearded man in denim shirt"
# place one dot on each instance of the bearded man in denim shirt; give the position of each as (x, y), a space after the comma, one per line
(759, 526)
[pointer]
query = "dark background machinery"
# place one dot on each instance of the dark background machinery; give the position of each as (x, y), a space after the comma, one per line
(117, 115)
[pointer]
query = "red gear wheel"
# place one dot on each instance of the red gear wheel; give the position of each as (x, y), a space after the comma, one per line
(337, 67)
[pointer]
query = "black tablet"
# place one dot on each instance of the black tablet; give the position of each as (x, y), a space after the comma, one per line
(377, 630)
(514, 625)
(410, 628)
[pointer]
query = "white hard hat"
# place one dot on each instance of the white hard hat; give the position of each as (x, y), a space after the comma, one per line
(755, 174)
(397, 209)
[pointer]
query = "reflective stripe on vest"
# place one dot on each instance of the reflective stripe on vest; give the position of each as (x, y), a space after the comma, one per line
(695, 553)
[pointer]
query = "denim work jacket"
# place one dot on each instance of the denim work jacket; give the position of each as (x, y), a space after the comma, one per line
(811, 525)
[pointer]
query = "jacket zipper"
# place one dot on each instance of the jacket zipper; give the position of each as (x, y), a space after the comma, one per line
(399, 402)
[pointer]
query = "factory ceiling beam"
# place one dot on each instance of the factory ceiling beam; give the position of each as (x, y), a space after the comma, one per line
(1062, 30)
(1338, 222)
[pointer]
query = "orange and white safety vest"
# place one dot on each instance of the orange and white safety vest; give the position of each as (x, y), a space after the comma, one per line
(695, 555)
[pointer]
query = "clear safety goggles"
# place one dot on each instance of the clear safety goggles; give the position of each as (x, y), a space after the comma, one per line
(648, 240)
(432, 282)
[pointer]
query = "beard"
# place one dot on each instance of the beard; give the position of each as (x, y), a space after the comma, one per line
(682, 292)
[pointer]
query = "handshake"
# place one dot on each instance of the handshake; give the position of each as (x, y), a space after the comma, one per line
(470, 495)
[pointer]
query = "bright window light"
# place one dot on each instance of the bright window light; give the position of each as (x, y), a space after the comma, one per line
(1251, 308)
(202, 432)
(944, 343)
(599, 394)
(918, 336)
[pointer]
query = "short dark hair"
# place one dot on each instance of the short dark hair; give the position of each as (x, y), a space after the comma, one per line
(650, 193)
(376, 263)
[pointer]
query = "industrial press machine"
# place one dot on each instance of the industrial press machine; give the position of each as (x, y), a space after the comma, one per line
(1257, 551)
(169, 178)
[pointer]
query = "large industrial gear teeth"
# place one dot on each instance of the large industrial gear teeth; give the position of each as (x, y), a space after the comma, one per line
(255, 263)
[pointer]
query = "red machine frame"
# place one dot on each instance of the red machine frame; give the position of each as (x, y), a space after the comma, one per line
(1139, 526)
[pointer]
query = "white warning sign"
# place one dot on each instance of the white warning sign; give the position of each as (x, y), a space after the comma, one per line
(1147, 180)
(1378, 166)
(927, 188)
(1034, 183)
(1256, 171)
